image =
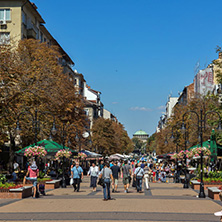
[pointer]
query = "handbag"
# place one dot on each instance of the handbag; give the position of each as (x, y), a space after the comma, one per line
(101, 180)
(71, 181)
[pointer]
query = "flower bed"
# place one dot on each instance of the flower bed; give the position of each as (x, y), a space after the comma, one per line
(63, 153)
(5, 187)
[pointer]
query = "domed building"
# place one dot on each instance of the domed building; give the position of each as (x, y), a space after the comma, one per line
(141, 135)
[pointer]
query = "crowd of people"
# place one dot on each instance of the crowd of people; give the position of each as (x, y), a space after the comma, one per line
(131, 172)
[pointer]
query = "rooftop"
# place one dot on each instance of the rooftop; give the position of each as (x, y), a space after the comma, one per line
(140, 132)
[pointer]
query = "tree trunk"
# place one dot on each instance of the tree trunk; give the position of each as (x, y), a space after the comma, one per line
(11, 153)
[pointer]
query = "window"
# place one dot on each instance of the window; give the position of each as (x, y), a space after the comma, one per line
(41, 36)
(4, 38)
(24, 18)
(5, 14)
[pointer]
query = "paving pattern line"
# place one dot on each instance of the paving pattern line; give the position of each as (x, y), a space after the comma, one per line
(114, 216)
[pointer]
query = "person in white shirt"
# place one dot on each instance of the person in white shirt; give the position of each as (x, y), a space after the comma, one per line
(93, 173)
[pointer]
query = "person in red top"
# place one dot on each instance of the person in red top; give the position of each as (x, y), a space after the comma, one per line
(32, 174)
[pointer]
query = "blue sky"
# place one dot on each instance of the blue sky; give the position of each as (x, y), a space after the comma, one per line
(136, 52)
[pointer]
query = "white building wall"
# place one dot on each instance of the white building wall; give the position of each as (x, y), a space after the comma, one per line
(89, 95)
(169, 106)
(106, 114)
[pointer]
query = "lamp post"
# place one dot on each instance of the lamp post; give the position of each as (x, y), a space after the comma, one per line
(63, 136)
(186, 142)
(175, 140)
(201, 125)
(35, 122)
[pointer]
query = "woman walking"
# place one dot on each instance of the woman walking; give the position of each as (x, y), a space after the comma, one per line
(31, 175)
(93, 173)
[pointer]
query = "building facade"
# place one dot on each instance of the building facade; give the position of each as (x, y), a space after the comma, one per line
(141, 135)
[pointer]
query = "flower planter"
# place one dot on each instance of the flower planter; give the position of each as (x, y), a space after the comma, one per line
(53, 184)
(16, 193)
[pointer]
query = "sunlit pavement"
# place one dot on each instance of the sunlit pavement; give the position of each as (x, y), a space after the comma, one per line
(163, 202)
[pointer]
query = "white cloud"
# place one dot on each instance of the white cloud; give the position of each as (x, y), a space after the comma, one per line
(161, 107)
(140, 109)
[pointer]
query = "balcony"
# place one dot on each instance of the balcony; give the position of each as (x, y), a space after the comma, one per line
(31, 33)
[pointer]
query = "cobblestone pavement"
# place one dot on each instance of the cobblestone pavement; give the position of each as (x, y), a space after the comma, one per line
(164, 202)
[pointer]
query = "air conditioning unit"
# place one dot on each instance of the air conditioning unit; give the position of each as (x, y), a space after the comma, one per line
(3, 22)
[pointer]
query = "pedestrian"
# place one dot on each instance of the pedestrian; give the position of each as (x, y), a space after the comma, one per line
(31, 175)
(15, 166)
(146, 176)
(93, 173)
(111, 164)
(157, 172)
(106, 174)
(77, 175)
(126, 169)
(142, 165)
(139, 172)
(163, 176)
(116, 173)
(101, 165)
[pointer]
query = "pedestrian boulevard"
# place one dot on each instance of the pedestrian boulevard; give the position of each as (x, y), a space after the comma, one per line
(163, 202)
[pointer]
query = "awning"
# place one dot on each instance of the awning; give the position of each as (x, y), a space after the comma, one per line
(91, 154)
(51, 147)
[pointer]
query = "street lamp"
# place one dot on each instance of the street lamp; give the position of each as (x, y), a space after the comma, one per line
(201, 125)
(186, 142)
(175, 140)
(35, 122)
(63, 136)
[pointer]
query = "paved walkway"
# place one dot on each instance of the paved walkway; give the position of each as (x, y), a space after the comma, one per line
(164, 202)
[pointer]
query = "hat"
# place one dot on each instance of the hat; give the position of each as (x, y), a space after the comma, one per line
(34, 166)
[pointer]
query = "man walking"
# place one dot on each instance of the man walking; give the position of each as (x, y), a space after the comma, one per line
(126, 175)
(77, 175)
(139, 172)
(115, 171)
(106, 174)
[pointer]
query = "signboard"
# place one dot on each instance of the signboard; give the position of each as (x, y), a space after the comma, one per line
(203, 81)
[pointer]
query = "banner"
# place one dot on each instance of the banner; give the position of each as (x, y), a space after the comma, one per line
(203, 81)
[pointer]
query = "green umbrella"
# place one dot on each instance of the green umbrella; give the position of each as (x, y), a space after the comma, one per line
(50, 146)
(205, 144)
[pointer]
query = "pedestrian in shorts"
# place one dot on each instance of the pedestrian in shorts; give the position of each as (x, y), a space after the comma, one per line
(126, 175)
(116, 173)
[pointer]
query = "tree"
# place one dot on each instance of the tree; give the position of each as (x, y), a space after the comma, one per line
(138, 144)
(151, 143)
(110, 137)
(32, 78)
(174, 124)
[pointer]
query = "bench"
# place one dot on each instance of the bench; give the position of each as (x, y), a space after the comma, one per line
(213, 193)
(17, 193)
(195, 184)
